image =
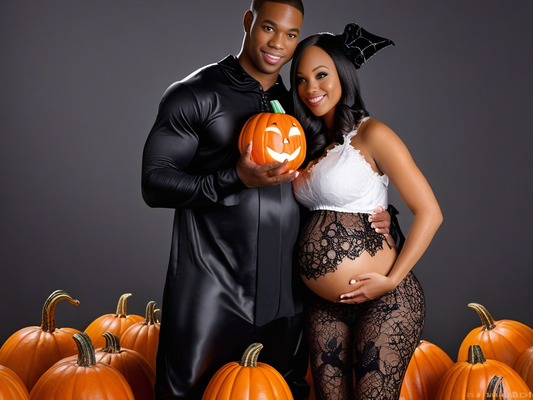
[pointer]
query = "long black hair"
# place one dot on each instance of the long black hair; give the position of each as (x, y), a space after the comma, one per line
(349, 110)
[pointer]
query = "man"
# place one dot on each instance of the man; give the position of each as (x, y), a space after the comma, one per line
(230, 278)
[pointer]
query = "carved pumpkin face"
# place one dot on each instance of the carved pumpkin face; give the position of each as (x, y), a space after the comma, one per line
(275, 137)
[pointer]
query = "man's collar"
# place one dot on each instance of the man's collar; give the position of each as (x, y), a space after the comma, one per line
(239, 77)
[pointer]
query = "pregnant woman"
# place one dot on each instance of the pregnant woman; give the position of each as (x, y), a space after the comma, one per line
(366, 309)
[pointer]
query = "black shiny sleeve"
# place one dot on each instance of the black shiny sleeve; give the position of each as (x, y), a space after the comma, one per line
(170, 148)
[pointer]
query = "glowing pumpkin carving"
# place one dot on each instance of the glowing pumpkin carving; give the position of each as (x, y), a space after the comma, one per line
(275, 137)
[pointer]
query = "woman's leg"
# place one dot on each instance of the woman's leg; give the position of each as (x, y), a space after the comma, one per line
(330, 351)
(386, 336)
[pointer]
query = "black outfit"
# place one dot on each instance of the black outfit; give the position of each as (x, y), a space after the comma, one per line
(230, 278)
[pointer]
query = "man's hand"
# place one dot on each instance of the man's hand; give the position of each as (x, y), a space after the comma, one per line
(255, 175)
(380, 220)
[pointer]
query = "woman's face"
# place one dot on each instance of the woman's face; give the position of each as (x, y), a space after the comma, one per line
(318, 83)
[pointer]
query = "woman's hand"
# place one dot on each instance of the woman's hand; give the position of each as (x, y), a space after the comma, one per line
(368, 287)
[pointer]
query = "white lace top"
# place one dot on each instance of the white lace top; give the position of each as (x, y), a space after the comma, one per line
(343, 181)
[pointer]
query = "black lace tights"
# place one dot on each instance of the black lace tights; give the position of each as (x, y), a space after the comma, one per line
(372, 341)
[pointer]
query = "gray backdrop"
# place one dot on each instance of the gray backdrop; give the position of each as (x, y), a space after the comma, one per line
(80, 86)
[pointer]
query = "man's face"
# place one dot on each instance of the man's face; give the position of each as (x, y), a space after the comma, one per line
(271, 38)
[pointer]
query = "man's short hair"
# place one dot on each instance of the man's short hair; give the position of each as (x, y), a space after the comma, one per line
(257, 4)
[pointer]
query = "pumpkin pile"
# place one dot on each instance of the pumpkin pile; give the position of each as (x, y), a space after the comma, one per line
(45, 362)
(487, 364)
(495, 361)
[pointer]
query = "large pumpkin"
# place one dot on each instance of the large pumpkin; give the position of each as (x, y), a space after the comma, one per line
(116, 323)
(143, 336)
(275, 137)
(524, 366)
(11, 387)
(30, 351)
(82, 378)
(248, 380)
(502, 340)
(132, 365)
(426, 368)
(470, 378)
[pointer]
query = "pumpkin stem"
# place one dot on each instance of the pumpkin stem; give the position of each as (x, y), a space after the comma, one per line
(495, 389)
(122, 305)
(86, 356)
(486, 318)
(150, 318)
(48, 323)
(276, 106)
(475, 355)
(249, 358)
(112, 343)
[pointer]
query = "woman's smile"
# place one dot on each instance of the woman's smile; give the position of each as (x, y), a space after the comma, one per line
(316, 100)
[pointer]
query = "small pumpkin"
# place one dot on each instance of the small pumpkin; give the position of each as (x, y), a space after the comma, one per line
(116, 323)
(132, 365)
(82, 377)
(275, 137)
(30, 351)
(470, 378)
(502, 340)
(143, 336)
(428, 365)
(524, 366)
(247, 380)
(11, 387)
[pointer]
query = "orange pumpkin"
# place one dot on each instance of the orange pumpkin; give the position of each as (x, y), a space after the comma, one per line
(502, 340)
(116, 323)
(132, 365)
(247, 380)
(80, 377)
(11, 387)
(470, 378)
(143, 336)
(275, 137)
(524, 366)
(309, 379)
(426, 368)
(30, 351)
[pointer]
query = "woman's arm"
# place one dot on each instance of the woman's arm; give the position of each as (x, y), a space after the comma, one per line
(392, 157)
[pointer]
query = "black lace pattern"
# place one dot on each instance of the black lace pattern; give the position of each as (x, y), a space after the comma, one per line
(371, 341)
(329, 237)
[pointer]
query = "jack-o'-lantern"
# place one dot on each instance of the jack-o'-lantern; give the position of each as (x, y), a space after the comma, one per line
(275, 137)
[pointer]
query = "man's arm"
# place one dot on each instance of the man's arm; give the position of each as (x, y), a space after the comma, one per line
(169, 149)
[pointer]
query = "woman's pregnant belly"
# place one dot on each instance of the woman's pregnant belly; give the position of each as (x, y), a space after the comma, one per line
(331, 285)
(335, 248)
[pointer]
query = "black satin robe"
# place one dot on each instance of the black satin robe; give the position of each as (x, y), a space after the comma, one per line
(230, 278)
